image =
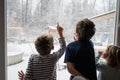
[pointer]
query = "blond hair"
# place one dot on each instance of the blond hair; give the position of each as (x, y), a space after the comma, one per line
(112, 55)
(85, 29)
(44, 44)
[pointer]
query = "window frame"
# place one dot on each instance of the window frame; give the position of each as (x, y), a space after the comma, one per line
(3, 54)
(117, 24)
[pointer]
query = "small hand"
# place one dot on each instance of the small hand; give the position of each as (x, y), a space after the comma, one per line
(75, 37)
(101, 52)
(60, 30)
(20, 75)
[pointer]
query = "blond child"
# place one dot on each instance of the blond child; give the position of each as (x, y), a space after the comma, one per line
(42, 66)
(109, 64)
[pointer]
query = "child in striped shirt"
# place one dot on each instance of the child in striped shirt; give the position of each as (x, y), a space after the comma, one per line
(42, 66)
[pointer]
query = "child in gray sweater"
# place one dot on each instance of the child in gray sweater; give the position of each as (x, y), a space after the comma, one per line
(109, 64)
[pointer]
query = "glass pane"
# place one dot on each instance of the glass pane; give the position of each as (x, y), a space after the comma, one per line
(26, 19)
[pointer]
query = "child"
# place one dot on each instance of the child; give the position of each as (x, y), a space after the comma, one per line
(109, 65)
(80, 57)
(42, 66)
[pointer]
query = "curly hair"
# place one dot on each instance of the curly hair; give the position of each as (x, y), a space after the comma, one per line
(44, 44)
(112, 55)
(85, 29)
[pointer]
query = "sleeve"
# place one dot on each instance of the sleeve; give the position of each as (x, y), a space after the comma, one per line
(97, 58)
(100, 64)
(28, 74)
(68, 55)
(62, 49)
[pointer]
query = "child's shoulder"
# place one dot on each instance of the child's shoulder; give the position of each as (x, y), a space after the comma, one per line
(79, 43)
(73, 43)
(103, 64)
(102, 61)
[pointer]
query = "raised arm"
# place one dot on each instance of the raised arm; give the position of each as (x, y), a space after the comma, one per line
(62, 42)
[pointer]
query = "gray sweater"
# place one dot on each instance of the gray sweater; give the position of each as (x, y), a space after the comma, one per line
(106, 72)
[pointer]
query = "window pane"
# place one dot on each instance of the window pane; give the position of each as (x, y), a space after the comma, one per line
(26, 19)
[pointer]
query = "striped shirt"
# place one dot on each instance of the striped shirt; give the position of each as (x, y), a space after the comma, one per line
(44, 67)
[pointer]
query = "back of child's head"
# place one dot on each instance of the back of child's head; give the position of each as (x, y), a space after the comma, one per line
(85, 29)
(44, 44)
(112, 55)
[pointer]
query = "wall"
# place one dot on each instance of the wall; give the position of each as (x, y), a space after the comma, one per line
(2, 42)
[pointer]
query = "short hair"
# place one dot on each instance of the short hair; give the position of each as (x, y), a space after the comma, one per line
(43, 44)
(85, 29)
(112, 55)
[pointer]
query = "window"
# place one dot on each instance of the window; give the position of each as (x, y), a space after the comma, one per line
(26, 19)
